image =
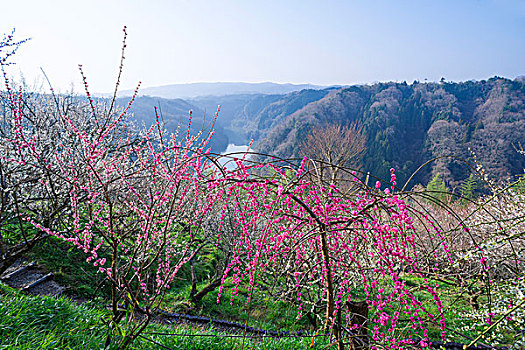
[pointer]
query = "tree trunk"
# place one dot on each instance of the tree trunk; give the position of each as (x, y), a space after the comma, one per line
(193, 280)
(197, 298)
(330, 303)
(359, 315)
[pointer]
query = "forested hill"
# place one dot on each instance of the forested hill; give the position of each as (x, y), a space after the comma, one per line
(407, 125)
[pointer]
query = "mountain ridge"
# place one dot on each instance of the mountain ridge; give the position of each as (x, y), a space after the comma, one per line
(206, 89)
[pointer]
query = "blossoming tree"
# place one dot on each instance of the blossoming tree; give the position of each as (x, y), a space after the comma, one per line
(137, 202)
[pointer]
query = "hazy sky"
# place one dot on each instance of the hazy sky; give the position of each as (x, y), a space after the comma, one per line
(321, 42)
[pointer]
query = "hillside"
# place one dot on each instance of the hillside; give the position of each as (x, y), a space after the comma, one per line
(243, 117)
(407, 125)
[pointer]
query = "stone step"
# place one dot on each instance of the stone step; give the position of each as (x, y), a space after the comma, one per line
(15, 271)
(36, 282)
(47, 287)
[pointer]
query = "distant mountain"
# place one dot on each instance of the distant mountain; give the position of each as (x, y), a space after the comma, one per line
(174, 113)
(193, 90)
(242, 117)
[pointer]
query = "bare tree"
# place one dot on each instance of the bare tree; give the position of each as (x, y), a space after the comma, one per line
(332, 147)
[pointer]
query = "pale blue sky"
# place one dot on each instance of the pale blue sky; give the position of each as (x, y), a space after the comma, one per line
(319, 42)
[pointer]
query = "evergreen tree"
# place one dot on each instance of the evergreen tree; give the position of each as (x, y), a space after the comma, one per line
(437, 189)
(467, 189)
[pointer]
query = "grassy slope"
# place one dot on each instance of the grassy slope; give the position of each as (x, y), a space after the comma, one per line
(71, 270)
(55, 323)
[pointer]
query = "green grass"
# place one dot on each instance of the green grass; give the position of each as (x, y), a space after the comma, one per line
(71, 269)
(47, 323)
(460, 316)
(28, 322)
(263, 311)
(206, 340)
